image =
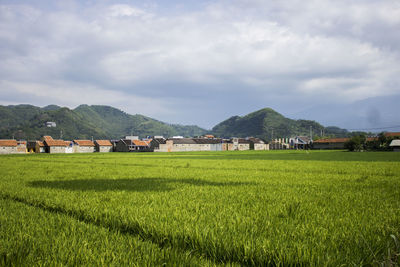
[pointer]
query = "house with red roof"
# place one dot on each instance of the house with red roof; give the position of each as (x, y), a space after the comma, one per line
(103, 146)
(83, 146)
(330, 143)
(53, 146)
(131, 145)
(8, 146)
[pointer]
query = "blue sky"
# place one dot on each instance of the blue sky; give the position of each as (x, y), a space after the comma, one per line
(200, 62)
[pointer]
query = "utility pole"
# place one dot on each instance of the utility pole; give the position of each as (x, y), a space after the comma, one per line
(272, 134)
(310, 132)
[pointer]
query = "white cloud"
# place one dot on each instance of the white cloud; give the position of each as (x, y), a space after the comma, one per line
(315, 49)
(72, 95)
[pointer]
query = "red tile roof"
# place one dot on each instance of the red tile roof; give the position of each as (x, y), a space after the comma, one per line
(47, 137)
(103, 142)
(21, 142)
(84, 142)
(392, 134)
(8, 143)
(369, 139)
(332, 140)
(139, 143)
(54, 143)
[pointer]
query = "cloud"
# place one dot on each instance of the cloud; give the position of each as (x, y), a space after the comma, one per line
(227, 57)
(72, 95)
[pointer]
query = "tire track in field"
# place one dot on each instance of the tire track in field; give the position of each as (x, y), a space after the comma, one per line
(182, 243)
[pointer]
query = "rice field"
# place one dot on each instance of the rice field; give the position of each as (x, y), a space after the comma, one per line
(256, 208)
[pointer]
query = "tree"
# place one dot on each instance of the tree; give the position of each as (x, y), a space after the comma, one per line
(356, 143)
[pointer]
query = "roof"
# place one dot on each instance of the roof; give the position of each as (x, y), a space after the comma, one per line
(304, 139)
(256, 140)
(40, 143)
(139, 143)
(103, 142)
(192, 141)
(84, 142)
(159, 140)
(182, 141)
(332, 140)
(395, 142)
(207, 141)
(54, 143)
(392, 134)
(243, 141)
(130, 142)
(47, 137)
(8, 142)
(21, 142)
(370, 139)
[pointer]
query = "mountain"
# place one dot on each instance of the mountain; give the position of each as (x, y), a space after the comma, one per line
(84, 122)
(28, 122)
(267, 123)
(117, 123)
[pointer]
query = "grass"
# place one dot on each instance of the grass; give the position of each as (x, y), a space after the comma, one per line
(273, 208)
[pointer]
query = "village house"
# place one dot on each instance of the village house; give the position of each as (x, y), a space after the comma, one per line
(21, 147)
(300, 142)
(227, 145)
(186, 144)
(83, 146)
(54, 146)
(103, 146)
(158, 143)
(69, 147)
(132, 145)
(8, 146)
(35, 147)
(330, 143)
(395, 145)
(279, 144)
(182, 144)
(257, 144)
(240, 144)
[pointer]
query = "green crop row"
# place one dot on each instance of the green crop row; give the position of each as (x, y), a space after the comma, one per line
(33, 237)
(248, 208)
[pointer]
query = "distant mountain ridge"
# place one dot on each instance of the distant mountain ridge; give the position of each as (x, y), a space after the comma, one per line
(84, 122)
(268, 124)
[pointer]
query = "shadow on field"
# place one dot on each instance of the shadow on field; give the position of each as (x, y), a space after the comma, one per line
(138, 184)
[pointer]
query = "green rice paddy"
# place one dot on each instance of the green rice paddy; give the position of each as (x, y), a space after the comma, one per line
(310, 208)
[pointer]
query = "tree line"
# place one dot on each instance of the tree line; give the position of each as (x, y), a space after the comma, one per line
(360, 142)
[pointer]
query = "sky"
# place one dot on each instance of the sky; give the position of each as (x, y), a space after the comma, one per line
(201, 62)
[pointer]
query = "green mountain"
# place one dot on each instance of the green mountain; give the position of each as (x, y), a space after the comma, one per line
(267, 124)
(117, 123)
(29, 122)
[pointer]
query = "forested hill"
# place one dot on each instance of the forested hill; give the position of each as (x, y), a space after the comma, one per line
(28, 122)
(267, 123)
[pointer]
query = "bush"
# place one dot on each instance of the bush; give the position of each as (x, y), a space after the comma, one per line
(356, 143)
